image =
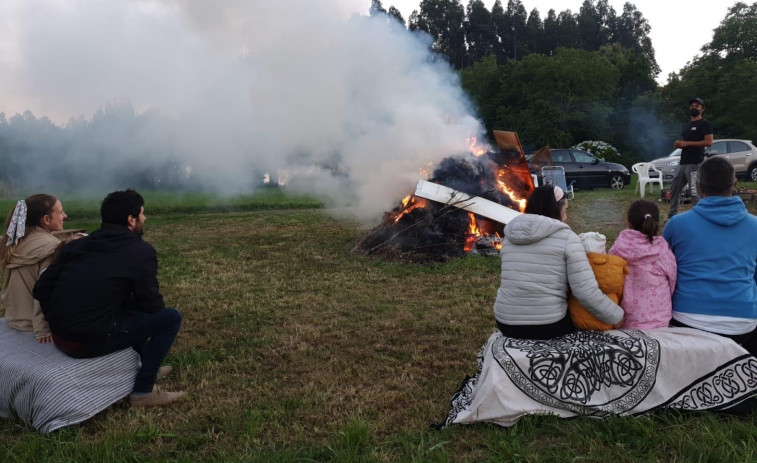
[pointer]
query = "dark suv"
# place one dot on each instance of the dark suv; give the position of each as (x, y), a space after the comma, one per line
(585, 170)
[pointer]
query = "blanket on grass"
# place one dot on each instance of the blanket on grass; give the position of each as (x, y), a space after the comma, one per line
(49, 390)
(602, 373)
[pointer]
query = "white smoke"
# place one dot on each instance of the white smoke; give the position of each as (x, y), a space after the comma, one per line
(237, 87)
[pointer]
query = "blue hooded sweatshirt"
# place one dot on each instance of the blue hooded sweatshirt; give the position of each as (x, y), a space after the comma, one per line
(715, 245)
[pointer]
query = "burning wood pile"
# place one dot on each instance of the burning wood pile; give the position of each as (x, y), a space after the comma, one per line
(459, 210)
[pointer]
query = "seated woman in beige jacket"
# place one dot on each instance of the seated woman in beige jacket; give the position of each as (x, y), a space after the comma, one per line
(34, 232)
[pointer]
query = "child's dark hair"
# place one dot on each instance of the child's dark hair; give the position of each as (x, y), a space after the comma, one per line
(644, 216)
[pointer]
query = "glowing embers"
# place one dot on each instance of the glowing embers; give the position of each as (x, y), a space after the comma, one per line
(481, 241)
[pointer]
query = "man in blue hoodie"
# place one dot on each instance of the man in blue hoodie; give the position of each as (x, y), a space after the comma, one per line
(715, 245)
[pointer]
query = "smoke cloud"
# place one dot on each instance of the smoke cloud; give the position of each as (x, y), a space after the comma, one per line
(214, 94)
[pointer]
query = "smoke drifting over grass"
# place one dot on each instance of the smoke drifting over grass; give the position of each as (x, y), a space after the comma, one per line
(212, 94)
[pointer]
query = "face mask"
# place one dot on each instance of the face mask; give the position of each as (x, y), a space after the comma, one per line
(694, 112)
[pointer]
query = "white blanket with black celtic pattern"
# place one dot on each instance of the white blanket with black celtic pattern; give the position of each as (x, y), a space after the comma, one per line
(602, 373)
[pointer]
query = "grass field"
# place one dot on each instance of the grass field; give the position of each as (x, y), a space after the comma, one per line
(294, 348)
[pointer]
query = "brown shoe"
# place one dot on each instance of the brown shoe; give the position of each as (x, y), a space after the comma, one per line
(156, 398)
(164, 371)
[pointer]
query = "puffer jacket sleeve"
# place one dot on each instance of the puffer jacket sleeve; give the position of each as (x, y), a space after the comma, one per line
(584, 285)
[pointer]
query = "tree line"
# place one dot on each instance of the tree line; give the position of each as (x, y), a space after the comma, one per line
(589, 75)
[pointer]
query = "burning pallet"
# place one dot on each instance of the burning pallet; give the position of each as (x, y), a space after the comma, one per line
(463, 208)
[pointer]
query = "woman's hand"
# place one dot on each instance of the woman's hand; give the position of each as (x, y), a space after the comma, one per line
(45, 339)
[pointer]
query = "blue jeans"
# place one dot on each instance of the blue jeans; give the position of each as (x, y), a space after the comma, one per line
(150, 334)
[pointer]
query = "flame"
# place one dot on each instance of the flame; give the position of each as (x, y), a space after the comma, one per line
(472, 234)
(425, 172)
(509, 191)
(409, 203)
(475, 148)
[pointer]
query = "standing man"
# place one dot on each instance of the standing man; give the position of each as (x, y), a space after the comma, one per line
(101, 295)
(716, 252)
(696, 137)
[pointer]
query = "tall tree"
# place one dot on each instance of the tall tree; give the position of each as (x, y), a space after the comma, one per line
(534, 34)
(518, 16)
(736, 36)
(607, 18)
(395, 13)
(551, 26)
(443, 19)
(632, 31)
(503, 47)
(589, 26)
(376, 8)
(567, 30)
(479, 31)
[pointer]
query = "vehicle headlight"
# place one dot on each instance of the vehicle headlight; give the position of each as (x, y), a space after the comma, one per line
(673, 163)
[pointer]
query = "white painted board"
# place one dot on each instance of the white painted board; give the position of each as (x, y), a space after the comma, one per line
(475, 204)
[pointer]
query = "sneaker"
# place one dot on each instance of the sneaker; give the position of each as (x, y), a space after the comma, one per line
(156, 398)
(164, 371)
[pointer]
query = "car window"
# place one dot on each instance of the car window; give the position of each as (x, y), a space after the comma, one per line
(561, 156)
(582, 156)
(736, 146)
(719, 146)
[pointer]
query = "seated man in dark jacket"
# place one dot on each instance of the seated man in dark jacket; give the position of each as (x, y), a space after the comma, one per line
(101, 295)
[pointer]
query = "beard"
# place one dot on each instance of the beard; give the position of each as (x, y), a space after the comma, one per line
(139, 228)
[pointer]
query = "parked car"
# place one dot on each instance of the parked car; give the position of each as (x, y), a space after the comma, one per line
(585, 170)
(667, 165)
(741, 153)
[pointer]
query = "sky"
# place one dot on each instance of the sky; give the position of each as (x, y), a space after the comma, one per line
(679, 28)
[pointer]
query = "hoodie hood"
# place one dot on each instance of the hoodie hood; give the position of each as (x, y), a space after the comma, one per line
(34, 247)
(530, 228)
(108, 237)
(634, 246)
(721, 210)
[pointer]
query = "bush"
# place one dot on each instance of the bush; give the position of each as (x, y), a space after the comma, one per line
(599, 149)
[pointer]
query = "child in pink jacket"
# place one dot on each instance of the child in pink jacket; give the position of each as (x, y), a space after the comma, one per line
(648, 289)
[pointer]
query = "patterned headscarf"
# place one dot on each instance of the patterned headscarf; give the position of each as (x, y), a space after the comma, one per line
(17, 227)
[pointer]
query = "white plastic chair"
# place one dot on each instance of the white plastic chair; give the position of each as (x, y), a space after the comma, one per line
(642, 169)
(555, 175)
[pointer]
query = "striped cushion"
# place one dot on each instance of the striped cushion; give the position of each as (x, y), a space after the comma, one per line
(49, 390)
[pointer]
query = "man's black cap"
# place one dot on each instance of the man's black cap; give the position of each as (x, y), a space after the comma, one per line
(697, 100)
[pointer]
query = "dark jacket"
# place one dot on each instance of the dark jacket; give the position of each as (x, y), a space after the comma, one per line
(96, 280)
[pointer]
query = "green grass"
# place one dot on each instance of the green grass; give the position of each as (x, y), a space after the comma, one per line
(294, 348)
(162, 202)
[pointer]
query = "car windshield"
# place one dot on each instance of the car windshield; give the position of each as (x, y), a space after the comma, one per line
(676, 152)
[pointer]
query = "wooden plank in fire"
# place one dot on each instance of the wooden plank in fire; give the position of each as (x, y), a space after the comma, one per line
(475, 204)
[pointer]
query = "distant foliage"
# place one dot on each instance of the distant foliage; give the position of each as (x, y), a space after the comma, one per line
(599, 149)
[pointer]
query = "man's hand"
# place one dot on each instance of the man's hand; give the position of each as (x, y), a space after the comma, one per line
(679, 144)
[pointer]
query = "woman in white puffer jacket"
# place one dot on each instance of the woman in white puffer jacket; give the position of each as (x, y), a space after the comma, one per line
(542, 259)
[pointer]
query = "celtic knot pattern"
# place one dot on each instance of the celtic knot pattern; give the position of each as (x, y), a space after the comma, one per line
(730, 384)
(569, 371)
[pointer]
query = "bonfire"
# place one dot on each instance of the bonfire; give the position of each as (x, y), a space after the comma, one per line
(422, 230)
